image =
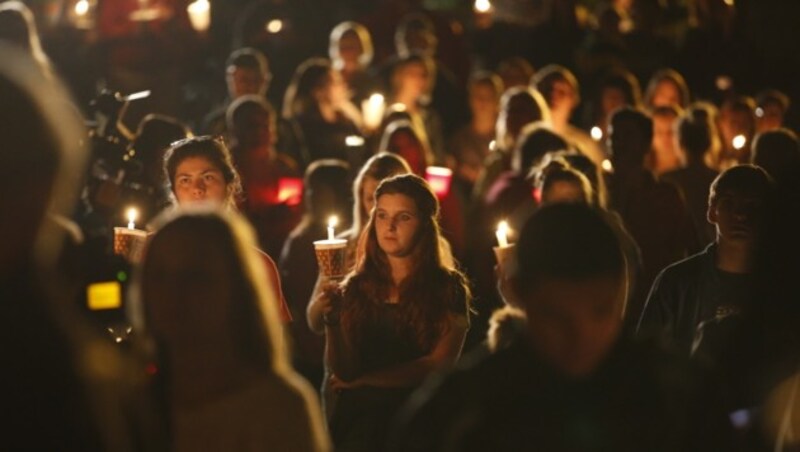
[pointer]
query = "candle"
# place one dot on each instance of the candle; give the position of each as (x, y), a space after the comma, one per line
(200, 14)
(502, 234)
(274, 26)
(597, 133)
(82, 7)
(482, 6)
(439, 179)
(332, 221)
(372, 110)
(290, 190)
(132, 214)
(739, 142)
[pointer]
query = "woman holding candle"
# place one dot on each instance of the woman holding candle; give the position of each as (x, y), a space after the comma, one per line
(200, 170)
(400, 315)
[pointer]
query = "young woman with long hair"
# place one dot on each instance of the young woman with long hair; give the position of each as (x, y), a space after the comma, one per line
(401, 314)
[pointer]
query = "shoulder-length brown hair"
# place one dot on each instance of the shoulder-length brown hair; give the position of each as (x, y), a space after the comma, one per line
(431, 290)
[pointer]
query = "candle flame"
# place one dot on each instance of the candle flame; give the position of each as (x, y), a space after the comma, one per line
(502, 227)
(333, 221)
(376, 98)
(483, 6)
(597, 133)
(82, 7)
(132, 214)
(739, 141)
(275, 26)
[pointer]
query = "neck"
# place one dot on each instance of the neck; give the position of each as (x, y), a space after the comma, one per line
(560, 120)
(484, 124)
(401, 268)
(735, 257)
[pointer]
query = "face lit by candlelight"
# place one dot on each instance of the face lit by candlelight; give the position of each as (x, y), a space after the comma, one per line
(397, 223)
(199, 180)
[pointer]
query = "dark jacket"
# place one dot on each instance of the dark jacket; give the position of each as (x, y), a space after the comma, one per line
(639, 399)
(690, 294)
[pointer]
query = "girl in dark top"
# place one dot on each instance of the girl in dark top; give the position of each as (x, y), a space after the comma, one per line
(401, 314)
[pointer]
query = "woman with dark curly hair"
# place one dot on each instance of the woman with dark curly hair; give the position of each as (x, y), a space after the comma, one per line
(401, 314)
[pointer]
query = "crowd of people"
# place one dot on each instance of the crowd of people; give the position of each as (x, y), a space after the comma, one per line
(536, 256)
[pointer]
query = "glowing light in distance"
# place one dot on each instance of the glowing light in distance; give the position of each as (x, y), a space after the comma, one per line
(597, 133)
(82, 7)
(275, 26)
(739, 141)
(483, 6)
(354, 141)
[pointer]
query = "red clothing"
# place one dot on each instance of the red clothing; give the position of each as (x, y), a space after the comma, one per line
(275, 285)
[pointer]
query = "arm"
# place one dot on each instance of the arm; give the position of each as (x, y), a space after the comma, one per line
(318, 306)
(445, 353)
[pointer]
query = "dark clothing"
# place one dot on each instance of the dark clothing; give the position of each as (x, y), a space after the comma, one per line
(694, 183)
(362, 416)
(691, 293)
(298, 267)
(320, 139)
(64, 388)
(639, 399)
(655, 215)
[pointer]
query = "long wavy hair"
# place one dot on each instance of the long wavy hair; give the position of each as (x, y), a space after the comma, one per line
(431, 290)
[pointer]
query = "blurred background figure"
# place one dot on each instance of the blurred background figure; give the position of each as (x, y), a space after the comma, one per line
(351, 53)
(737, 127)
(653, 211)
(263, 169)
(326, 193)
(66, 387)
(470, 145)
(316, 104)
(664, 155)
(519, 106)
(153, 137)
(246, 73)
(515, 71)
(778, 152)
(617, 89)
(696, 136)
(559, 87)
(771, 109)
(18, 28)
(403, 139)
(666, 87)
(410, 85)
(210, 311)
